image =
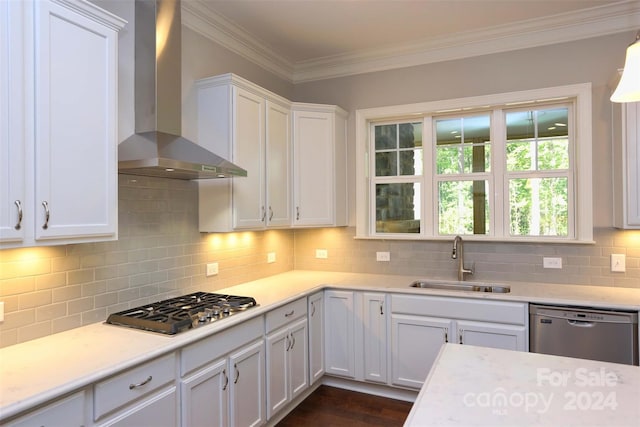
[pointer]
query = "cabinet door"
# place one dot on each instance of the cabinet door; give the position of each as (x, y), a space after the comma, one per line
(316, 336)
(248, 128)
(277, 371)
(626, 165)
(375, 337)
(205, 397)
(75, 124)
(298, 358)
(278, 165)
(247, 401)
(339, 343)
(157, 410)
(68, 411)
(313, 151)
(12, 124)
(415, 343)
(508, 337)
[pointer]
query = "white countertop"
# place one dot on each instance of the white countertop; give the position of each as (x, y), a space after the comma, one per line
(36, 371)
(479, 386)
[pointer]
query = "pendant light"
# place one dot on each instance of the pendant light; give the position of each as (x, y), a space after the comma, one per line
(628, 89)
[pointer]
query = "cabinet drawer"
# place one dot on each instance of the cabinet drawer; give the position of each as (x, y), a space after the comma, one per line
(68, 411)
(215, 346)
(461, 308)
(133, 384)
(285, 314)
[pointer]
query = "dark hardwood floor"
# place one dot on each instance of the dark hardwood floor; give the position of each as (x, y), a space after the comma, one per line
(330, 406)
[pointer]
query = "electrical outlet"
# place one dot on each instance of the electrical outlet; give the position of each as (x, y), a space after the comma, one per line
(1, 311)
(618, 263)
(383, 256)
(322, 253)
(271, 257)
(548, 262)
(212, 269)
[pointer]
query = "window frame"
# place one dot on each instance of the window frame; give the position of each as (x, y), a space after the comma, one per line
(581, 194)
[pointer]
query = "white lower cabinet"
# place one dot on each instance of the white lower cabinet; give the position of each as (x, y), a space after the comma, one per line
(375, 337)
(316, 336)
(340, 348)
(221, 387)
(145, 395)
(356, 335)
(287, 354)
(415, 343)
(421, 324)
(67, 411)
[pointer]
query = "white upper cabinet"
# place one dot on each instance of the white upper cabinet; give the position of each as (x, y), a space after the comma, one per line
(626, 165)
(12, 122)
(63, 132)
(319, 165)
(251, 127)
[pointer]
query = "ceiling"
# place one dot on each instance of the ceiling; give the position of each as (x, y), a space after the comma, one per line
(307, 36)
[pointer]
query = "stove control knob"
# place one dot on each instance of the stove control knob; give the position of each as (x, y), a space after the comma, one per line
(226, 311)
(202, 317)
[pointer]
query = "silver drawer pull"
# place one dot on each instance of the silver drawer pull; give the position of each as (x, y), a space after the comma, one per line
(18, 225)
(45, 205)
(132, 386)
(270, 213)
(235, 366)
(226, 379)
(298, 213)
(289, 314)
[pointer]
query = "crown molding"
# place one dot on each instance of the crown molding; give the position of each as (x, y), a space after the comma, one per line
(198, 17)
(593, 22)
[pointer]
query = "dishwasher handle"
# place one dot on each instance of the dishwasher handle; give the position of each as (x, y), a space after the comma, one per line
(581, 323)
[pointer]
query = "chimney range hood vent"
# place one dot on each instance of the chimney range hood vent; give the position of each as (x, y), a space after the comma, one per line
(157, 149)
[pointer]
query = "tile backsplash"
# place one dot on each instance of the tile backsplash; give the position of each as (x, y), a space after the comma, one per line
(160, 254)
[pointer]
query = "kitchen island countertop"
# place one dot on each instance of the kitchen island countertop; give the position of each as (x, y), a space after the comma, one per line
(479, 386)
(39, 370)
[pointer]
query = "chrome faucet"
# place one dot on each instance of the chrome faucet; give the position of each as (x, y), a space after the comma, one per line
(458, 253)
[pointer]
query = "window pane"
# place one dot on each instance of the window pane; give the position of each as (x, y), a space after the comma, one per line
(398, 149)
(537, 140)
(398, 208)
(539, 206)
(386, 137)
(387, 163)
(411, 162)
(463, 145)
(410, 135)
(447, 160)
(463, 207)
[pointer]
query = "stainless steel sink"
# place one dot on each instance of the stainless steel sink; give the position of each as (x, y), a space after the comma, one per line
(461, 286)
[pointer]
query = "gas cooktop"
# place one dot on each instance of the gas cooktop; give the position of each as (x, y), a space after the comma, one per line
(178, 314)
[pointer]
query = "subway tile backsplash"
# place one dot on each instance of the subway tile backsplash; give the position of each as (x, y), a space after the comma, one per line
(160, 254)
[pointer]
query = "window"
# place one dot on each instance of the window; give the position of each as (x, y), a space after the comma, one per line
(512, 167)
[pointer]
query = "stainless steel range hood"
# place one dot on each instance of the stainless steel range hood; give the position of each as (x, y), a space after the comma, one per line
(157, 149)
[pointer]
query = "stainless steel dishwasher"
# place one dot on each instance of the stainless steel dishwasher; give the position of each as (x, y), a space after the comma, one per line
(608, 336)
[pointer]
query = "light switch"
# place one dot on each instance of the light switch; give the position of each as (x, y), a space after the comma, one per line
(618, 263)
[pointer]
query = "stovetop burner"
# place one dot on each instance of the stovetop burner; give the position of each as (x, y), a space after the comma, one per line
(177, 314)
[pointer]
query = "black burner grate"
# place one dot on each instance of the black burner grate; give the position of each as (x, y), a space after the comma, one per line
(177, 314)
